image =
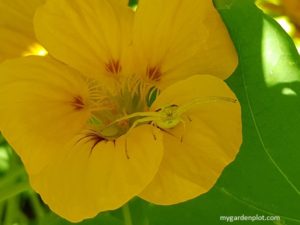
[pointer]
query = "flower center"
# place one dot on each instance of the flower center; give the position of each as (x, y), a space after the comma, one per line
(130, 97)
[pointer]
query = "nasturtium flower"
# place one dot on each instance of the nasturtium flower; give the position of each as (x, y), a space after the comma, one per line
(126, 104)
(17, 36)
(164, 41)
(292, 9)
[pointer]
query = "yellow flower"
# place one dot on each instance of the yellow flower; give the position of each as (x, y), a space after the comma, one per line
(164, 40)
(292, 9)
(16, 29)
(82, 119)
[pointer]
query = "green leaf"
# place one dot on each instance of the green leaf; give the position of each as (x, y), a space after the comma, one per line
(265, 177)
(133, 2)
(101, 219)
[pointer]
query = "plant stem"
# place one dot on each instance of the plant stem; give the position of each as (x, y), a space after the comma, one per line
(2, 207)
(11, 211)
(11, 176)
(13, 190)
(126, 215)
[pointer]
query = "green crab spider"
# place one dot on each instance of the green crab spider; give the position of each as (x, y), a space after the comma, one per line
(170, 116)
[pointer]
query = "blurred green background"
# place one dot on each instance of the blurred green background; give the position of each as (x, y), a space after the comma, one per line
(265, 177)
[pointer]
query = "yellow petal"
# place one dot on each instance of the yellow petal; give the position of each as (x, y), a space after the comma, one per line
(125, 2)
(95, 178)
(291, 8)
(195, 155)
(16, 27)
(174, 39)
(40, 107)
(88, 35)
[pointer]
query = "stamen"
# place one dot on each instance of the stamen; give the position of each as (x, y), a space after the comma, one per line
(113, 66)
(154, 73)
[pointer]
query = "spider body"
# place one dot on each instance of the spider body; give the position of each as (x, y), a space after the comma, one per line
(167, 117)
(170, 116)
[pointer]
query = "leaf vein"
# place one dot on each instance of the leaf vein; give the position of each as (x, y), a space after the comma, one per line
(253, 206)
(261, 139)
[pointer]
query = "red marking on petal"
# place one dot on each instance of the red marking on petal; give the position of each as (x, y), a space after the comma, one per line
(154, 73)
(113, 66)
(94, 137)
(78, 103)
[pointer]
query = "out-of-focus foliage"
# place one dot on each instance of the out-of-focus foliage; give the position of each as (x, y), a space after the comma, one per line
(265, 178)
(286, 13)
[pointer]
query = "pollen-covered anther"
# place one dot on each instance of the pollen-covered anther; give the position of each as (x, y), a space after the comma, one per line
(78, 103)
(154, 73)
(113, 66)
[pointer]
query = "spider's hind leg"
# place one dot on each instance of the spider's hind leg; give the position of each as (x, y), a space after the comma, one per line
(184, 121)
(126, 149)
(153, 133)
(184, 129)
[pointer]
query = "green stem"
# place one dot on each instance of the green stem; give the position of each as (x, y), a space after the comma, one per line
(11, 176)
(2, 207)
(2, 140)
(126, 215)
(13, 190)
(11, 212)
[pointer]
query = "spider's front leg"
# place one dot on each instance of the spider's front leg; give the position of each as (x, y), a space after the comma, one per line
(135, 124)
(141, 121)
